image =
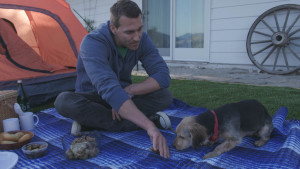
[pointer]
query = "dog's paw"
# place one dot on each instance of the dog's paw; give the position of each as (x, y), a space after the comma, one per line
(210, 155)
(260, 143)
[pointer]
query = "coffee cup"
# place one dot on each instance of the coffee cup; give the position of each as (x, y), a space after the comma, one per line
(11, 124)
(28, 120)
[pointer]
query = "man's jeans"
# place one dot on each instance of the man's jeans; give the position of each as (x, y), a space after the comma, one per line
(91, 111)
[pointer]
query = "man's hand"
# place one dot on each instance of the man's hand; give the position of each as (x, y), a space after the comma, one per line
(115, 115)
(159, 142)
(129, 111)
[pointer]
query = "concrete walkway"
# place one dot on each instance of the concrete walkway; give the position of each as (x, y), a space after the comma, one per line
(228, 75)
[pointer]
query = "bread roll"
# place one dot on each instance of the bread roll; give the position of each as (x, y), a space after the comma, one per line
(10, 137)
(7, 142)
(25, 137)
(1, 136)
(20, 134)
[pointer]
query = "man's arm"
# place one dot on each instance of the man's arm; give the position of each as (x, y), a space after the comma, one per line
(129, 111)
(147, 86)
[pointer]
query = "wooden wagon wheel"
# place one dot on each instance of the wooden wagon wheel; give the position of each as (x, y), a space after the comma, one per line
(273, 41)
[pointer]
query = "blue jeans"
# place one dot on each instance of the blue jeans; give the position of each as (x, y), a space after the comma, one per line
(91, 111)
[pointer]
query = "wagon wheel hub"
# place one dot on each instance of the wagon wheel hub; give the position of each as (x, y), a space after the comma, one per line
(280, 39)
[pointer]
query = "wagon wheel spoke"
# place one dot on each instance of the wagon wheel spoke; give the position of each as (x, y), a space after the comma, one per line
(294, 32)
(276, 21)
(285, 59)
(273, 40)
(294, 54)
(268, 26)
(293, 24)
(263, 49)
(294, 38)
(276, 59)
(263, 41)
(261, 33)
(295, 44)
(286, 20)
(269, 54)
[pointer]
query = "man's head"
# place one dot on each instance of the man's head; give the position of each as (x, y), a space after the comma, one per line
(126, 24)
(126, 8)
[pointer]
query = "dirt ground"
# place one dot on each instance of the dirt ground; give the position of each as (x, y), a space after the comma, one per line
(227, 75)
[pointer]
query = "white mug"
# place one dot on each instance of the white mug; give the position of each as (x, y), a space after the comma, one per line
(11, 124)
(27, 120)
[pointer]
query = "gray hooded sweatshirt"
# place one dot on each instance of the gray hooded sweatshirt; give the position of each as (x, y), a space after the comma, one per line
(101, 68)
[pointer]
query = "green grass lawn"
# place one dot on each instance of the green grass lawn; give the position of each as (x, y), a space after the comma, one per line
(212, 95)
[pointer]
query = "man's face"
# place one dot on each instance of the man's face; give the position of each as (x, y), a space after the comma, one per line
(129, 33)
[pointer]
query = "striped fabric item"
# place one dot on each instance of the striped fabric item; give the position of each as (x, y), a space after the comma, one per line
(132, 149)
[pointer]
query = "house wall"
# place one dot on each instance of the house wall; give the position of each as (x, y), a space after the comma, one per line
(230, 21)
(96, 10)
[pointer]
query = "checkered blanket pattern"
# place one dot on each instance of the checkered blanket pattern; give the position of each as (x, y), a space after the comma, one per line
(131, 149)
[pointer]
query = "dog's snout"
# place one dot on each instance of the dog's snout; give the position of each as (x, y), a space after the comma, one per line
(181, 143)
(175, 143)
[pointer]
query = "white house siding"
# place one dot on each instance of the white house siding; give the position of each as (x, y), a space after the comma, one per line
(230, 23)
(96, 10)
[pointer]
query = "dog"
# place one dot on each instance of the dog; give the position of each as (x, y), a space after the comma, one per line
(228, 123)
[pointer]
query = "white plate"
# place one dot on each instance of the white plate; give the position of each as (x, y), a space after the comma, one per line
(8, 160)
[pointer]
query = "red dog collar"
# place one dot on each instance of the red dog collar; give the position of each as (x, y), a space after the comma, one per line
(215, 135)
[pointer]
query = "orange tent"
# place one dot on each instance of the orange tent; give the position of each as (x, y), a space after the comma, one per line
(39, 43)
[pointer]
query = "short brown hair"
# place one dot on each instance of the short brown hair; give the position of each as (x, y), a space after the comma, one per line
(126, 8)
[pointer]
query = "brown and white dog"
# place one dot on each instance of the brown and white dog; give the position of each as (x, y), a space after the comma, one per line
(231, 122)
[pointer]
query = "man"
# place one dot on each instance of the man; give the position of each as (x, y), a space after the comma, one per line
(105, 97)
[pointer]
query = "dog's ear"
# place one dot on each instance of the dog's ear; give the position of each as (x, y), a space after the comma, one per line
(198, 134)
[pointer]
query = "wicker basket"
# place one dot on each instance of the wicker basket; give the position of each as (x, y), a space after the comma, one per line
(7, 100)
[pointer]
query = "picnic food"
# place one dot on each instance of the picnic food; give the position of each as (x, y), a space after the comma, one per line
(35, 149)
(34, 146)
(24, 137)
(20, 134)
(7, 142)
(9, 138)
(82, 148)
(14, 139)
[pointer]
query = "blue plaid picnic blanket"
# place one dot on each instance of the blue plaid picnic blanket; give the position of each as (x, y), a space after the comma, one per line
(131, 149)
